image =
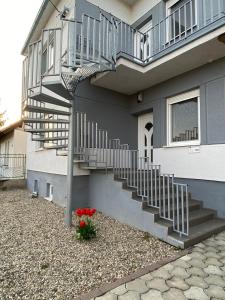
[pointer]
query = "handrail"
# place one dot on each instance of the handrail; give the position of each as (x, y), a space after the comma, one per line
(157, 189)
(176, 26)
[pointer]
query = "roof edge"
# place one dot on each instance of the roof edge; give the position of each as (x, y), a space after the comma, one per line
(34, 26)
(6, 129)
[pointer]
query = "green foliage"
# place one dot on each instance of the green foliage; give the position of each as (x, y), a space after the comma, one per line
(2, 119)
(85, 230)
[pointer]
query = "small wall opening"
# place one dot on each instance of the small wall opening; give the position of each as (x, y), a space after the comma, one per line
(49, 191)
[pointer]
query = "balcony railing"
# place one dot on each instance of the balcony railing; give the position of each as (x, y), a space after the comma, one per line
(89, 44)
(188, 20)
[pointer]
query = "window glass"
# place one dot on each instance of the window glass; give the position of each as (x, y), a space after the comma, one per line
(184, 120)
(181, 18)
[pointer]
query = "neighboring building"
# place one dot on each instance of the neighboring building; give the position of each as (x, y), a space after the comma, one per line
(13, 139)
(13, 144)
(164, 106)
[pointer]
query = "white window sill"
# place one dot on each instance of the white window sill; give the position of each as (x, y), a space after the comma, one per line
(40, 149)
(49, 199)
(182, 145)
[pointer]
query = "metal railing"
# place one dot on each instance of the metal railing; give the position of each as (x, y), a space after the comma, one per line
(12, 166)
(74, 47)
(179, 24)
(157, 190)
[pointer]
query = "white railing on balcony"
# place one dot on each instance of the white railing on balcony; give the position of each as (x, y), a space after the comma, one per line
(157, 190)
(75, 46)
(179, 24)
(12, 166)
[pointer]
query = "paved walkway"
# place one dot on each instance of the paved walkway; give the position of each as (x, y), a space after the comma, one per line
(199, 275)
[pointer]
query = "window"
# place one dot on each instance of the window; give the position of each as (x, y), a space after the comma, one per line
(142, 41)
(181, 18)
(48, 54)
(36, 188)
(183, 114)
(49, 192)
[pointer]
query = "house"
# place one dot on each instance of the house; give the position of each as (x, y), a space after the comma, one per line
(12, 151)
(144, 82)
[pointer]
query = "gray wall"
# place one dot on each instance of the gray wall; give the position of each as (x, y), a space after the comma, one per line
(212, 193)
(80, 186)
(110, 109)
(211, 81)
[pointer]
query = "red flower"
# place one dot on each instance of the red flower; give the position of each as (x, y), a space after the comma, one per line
(78, 212)
(82, 224)
(82, 211)
(93, 211)
(90, 213)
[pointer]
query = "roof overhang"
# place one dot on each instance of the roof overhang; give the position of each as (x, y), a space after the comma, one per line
(41, 19)
(7, 129)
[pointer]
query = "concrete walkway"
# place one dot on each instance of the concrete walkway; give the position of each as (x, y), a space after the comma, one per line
(199, 275)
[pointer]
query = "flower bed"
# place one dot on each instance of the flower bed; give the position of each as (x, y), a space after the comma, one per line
(41, 259)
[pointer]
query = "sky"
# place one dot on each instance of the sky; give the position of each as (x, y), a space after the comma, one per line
(14, 28)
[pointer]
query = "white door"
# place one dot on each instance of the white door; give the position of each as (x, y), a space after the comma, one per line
(143, 41)
(145, 136)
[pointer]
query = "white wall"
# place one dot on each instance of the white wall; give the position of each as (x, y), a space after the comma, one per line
(142, 7)
(47, 161)
(128, 14)
(20, 141)
(206, 162)
(116, 7)
(8, 139)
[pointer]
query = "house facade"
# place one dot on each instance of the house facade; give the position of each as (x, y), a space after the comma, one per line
(13, 146)
(149, 125)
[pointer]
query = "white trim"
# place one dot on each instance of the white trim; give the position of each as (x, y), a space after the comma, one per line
(176, 99)
(169, 4)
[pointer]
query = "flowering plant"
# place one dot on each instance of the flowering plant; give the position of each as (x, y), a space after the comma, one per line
(85, 229)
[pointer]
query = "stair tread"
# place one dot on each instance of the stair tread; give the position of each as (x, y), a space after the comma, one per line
(193, 216)
(201, 212)
(201, 231)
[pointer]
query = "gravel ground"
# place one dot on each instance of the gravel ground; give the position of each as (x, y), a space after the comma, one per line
(41, 259)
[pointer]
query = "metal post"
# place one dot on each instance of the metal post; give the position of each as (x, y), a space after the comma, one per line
(68, 209)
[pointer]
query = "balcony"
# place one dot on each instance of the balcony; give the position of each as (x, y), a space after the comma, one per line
(189, 37)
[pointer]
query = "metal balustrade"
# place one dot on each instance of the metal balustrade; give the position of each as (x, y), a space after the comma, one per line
(157, 190)
(74, 50)
(179, 24)
(12, 166)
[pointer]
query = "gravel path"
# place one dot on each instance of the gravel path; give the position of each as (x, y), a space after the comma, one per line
(41, 259)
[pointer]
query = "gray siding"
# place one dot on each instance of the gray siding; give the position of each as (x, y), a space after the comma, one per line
(211, 193)
(80, 187)
(211, 81)
(110, 109)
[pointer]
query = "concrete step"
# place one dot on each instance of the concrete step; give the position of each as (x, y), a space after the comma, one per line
(196, 217)
(201, 215)
(199, 232)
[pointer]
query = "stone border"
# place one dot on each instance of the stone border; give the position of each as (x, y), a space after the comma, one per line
(141, 272)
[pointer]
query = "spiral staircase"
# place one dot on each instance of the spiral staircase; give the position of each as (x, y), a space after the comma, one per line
(53, 68)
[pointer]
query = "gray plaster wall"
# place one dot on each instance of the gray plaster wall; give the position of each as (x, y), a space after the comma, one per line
(111, 110)
(212, 193)
(80, 187)
(108, 197)
(210, 79)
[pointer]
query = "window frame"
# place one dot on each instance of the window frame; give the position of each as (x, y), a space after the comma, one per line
(176, 99)
(169, 5)
(138, 49)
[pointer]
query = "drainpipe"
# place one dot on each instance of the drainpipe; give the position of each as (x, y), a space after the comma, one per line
(70, 164)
